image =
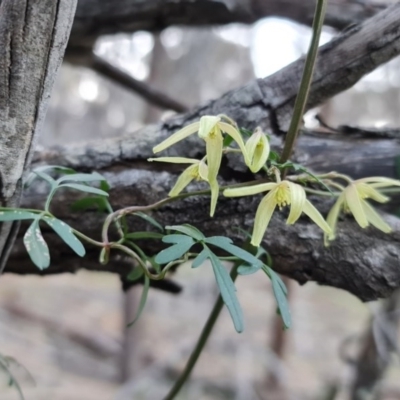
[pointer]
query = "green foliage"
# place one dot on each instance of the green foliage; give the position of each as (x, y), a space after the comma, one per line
(188, 230)
(226, 244)
(300, 168)
(135, 274)
(189, 236)
(280, 293)
(143, 235)
(36, 246)
(84, 188)
(149, 219)
(143, 299)
(65, 232)
(181, 245)
(16, 214)
(227, 289)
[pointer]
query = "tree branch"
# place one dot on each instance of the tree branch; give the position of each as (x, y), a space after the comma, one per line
(363, 262)
(33, 37)
(99, 17)
(152, 95)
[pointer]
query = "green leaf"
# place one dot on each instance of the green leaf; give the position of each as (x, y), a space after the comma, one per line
(65, 232)
(182, 246)
(227, 141)
(90, 202)
(56, 168)
(228, 291)
(105, 186)
(177, 238)
(85, 188)
(280, 293)
(93, 177)
(201, 257)
(280, 281)
(144, 235)
(273, 156)
(135, 274)
(187, 230)
(46, 178)
(36, 246)
(143, 299)
(298, 167)
(245, 132)
(149, 219)
(225, 243)
(246, 269)
(155, 265)
(16, 215)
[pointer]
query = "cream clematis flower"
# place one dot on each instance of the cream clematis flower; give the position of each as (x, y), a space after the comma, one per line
(210, 129)
(280, 194)
(257, 147)
(353, 200)
(198, 170)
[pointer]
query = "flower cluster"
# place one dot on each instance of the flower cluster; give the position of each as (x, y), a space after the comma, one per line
(353, 199)
(281, 193)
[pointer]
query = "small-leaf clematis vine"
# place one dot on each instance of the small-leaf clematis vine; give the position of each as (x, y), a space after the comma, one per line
(281, 193)
(198, 170)
(210, 129)
(353, 200)
(257, 148)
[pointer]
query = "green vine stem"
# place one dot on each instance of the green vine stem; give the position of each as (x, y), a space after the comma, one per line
(305, 83)
(205, 334)
(132, 209)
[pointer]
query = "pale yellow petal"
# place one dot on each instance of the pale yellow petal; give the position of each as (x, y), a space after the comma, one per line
(353, 201)
(177, 137)
(367, 191)
(214, 196)
(203, 170)
(207, 125)
(316, 217)
(214, 155)
(261, 154)
(333, 216)
(297, 201)
(252, 143)
(184, 179)
(249, 190)
(262, 218)
(380, 180)
(226, 118)
(176, 160)
(237, 137)
(375, 219)
(257, 147)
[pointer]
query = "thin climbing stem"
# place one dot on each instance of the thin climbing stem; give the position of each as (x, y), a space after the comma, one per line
(305, 83)
(130, 210)
(205, 334)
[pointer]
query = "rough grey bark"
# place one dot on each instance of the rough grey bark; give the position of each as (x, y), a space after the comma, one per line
(33, 37)
(98, 17)
(363, 262)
